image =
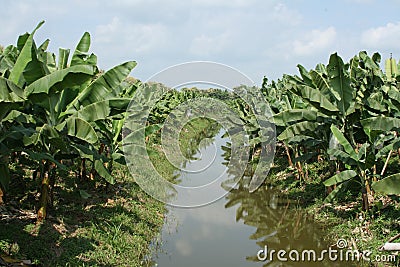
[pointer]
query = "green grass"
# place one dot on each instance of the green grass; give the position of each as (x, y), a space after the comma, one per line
(114, 227)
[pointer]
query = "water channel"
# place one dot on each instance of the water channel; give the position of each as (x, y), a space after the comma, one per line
(232, 231)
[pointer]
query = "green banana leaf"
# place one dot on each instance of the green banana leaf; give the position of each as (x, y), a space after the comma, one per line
(81, 129)
(340, 177)
(63, 55)
(389, 185)
(25, 56)
(376, 102)
(340, 84)
(285, 117)
(103, 87)
(80, 56)
(20, 117)
(381, 123)
(103, 109)
(322, 84)
(384, 151)
(10, 92)
(344, 142)
(305, 140)
(305, 75)
(391, 69)
(316, 98)
(298, 129)
(334, 192)
(102, 171)
(63, 78)
(335, 153)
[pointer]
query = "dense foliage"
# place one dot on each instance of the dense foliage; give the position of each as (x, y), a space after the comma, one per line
(60, 113)
(347, 114)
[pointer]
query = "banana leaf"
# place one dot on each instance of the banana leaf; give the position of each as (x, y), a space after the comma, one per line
(25, 56)
(344, 142)
(381, 123)
(340, 84)
(389, 185)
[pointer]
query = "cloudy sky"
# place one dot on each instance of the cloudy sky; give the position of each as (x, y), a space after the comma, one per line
(259, 38)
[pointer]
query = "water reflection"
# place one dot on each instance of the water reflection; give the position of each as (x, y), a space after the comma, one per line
(231, 231)
(278, 225)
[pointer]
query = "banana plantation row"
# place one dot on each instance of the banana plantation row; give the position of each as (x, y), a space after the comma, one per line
(347, 114)
(61, 113)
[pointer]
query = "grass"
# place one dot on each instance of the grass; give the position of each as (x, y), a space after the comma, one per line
(111, 228)
(343, 218)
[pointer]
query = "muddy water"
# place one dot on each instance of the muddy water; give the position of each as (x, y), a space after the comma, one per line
(233, 230)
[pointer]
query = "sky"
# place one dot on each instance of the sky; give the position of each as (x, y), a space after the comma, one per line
(259, 38)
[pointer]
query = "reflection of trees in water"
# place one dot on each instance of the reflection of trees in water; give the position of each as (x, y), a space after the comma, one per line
(193, 141)
(200, 140)
(279, 224)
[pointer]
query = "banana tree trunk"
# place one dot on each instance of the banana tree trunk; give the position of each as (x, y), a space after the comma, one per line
(110, 165)
(1, 196)
(299, 167)
(48, 179)
(365, 202)
(368, 187)
(306, 173)
(44, 193)
(288, 155)
(374, 179)
(52, 183)
(82, 171)
(92, 173)
(366, 190)
(300, 175)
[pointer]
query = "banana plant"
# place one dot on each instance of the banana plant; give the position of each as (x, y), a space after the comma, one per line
(47, 91)
(349, 97)
(359, 162)
(328, 91)
(296, 122)
(11, 97)
(384, 131)
(67, 99)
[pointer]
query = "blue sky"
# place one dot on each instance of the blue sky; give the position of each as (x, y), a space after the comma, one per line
(257, 37)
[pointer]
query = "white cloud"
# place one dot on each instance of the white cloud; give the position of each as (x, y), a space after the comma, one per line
(387, 36)
(204, 45)
(140, 38)
(314, 42)
(282, 14)
(258, 37)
